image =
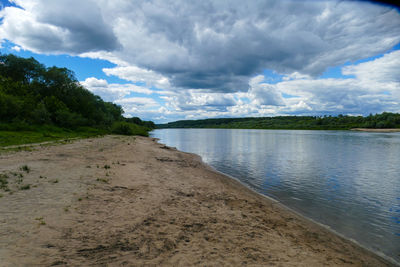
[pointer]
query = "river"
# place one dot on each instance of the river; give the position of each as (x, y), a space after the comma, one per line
(349, 181)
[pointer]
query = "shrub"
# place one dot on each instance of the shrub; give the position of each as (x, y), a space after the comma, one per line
(126, 128)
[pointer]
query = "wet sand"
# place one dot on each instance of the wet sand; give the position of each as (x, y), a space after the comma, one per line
(129, 201)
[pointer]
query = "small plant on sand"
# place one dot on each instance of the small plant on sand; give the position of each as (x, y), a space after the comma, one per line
(25, 187)
(107, 166)
(80, 199)
(103, 180)
(4, 182)
(40, 220)
(19, 180)
(25, 168)
(1, 195)
(54, 181)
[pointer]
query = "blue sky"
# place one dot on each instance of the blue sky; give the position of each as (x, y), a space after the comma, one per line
(165, 61)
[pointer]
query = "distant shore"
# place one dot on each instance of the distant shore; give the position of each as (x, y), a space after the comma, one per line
(376, 130)
(123, 201)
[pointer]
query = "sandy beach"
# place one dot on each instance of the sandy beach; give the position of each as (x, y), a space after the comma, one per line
(130, 201)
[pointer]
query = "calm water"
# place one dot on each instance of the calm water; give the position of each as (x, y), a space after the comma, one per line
(349, 181)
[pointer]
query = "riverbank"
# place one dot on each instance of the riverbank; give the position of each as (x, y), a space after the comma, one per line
(131, 201)
(376, 130)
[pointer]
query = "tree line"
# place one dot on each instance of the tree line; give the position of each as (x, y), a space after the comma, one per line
(340, 122)
(32, 94)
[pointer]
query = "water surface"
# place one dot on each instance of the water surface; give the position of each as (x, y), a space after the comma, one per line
(349, 181)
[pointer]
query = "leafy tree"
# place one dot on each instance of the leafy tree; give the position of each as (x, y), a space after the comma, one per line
(33, 94)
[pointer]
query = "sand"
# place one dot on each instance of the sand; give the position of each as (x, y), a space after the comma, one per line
(126, 201)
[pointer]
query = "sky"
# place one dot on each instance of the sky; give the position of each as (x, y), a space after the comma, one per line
(165, 60)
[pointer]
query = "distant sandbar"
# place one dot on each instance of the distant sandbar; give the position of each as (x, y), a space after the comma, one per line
(376, 130)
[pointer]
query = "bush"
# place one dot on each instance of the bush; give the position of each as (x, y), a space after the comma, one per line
(126, 128)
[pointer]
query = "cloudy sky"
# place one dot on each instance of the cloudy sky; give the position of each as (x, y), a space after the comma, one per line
(167, 60)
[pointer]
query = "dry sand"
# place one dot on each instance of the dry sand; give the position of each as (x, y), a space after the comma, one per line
(153, 206)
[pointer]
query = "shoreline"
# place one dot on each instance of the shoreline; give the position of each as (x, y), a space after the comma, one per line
(124, 200)
(327, 227)
(393, 130)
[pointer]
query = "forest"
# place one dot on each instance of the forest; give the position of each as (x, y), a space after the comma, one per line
(35, 98)
(340, 122)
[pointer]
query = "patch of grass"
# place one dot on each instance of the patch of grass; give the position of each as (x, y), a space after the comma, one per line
(1, 195)
(25, 187)
(103, 180)
(14, 136)
(80, 199)
(19, 180)
(25, 168)
(4, 182)
(40, 220)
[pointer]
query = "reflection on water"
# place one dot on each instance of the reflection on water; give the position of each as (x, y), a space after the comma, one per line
(349, 181)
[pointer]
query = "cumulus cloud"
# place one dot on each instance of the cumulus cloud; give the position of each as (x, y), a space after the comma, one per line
(207, 56)
(373, 89)
(264, 93)
(385, 69)
(207, 45)
(62, 26)
(113, 92)
(136, 74)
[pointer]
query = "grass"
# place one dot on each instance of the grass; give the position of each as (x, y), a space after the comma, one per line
(104, 180)
(13, 136)
(25, 168)
(19, 136)
(25, 187)
(40, 220)
(4, 182)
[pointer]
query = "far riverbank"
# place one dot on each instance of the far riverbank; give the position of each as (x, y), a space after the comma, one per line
(376, 130)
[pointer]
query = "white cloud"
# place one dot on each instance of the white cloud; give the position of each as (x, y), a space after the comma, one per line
(384, 69)
(136, 74)
(263, 93)
(362, 94)
(62, 26)
(204, 55)
(204, 44)
(16, 48)
(137, 101)
(114, 91)
(138, 106)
